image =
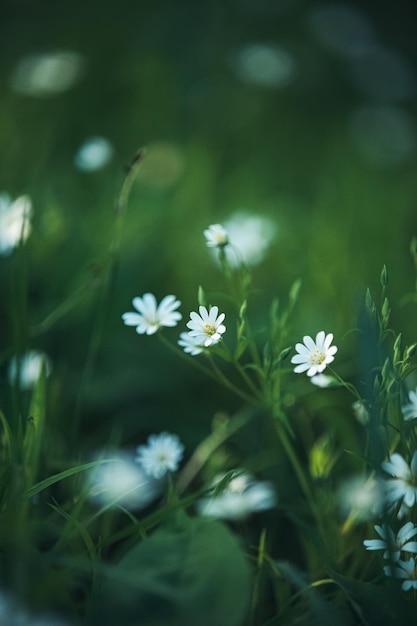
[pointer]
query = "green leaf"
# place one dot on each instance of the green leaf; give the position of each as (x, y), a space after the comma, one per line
(32, 442)
(377, 606)
(190, 571)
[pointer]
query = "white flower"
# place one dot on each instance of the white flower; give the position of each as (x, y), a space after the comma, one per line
(250, 236)
(15, 223)
(151, 316)
(162, 454)
(313, 356)
(28, 368)
(121, 481)
(391, 543)
(361, 496)
(406, 570)
(323, 381)
(410, 410)
(242, 496)
(207, 328)
(361, 412)
(216, 236)
(403, 487)
(190, 344)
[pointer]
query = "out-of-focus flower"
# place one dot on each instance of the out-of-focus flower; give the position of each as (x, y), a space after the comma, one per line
(151, 316)
(15, 223)
(406, 570)
(120, 481)
(361, 412)
(393, 544)
(402, 489)
(47, 74)
(28, 368)
(216, 236)
(323, 381)
(190, 344)
(160, 455)
(94, 154)
(242, 496)
(313, 356)
(362, 498)
(249, 236)
(207, 328)
(410, 410)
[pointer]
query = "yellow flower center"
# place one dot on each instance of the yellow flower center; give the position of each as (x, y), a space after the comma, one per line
(317, 357)
(209, 329)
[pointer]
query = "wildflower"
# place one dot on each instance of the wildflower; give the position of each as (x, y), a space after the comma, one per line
(14, 222)
(28, 368)
(242, 496)
(392, 543)
(323, 381)
(251, 235)
(190, 344)
(207, 327)
(313, 356)
(162, 454)
(121, 481)
(409, 410)
(361, 497)
(216, 236)
(361, 412)
(406, 570)
(151, 316)
(403, 487)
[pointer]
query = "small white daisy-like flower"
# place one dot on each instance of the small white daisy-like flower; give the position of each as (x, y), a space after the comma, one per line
(15, 225)
(314, 355)
(207, 328)
(216, 236)
(190, 344)
(402, 488)
(406, 570)
(393, 544)
(242, 496)
(151, 316)
(362, 497)
(160, 455)
(409, 410)
(323, 381)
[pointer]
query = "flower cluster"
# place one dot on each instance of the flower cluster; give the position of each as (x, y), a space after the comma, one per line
(400, 493)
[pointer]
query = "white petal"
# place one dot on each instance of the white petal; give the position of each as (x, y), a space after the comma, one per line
(309, 342)
(320, 337)
(301, 368)
(131, 319)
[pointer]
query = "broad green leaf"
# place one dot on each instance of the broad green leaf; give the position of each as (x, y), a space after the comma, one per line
(189, 572)
(377, 606)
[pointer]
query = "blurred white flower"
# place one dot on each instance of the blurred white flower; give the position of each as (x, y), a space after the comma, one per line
(28, 368)
(406, 570)
(151, 316)
(402, 489)
(313, 356)
(121, 481)
(47, 74)
(393, 544)
(364, 498)
(160, 455)
(410, 410)
(94, 154)
(216, 236)
(207, 328)
(15, 223)
(242, 496)
(361, 412)
(322, 380)
(250, 236)
(190, 344)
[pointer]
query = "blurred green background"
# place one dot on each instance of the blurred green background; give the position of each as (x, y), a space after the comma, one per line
(299, 112)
